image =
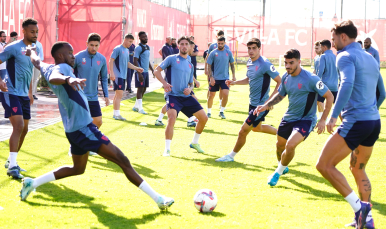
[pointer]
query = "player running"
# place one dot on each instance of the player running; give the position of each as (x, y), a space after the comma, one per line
(218, 62)
(142, 59)
(82, 134)
(119, 62)
(327, 72)
(16, 92)
(361, 125)
(178, 86)
(302, 88)
(259, 74)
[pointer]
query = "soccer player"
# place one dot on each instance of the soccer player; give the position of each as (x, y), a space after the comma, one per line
(206, 52)
(82, 134)
(212, 47)
(90, 65)
(318, 51)
(356, 102)
(16, 95)
(166, 50)
(174, 46)
(327, 73)
(130, 72)
(119, 62)
(218, 61)
(193, 55)
(3, 38)
(302, 88)
(178, 87)
(259, 74)
(142, 59)
(371, 50)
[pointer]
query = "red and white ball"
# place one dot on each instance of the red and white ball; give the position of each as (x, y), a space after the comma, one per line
(205, 200)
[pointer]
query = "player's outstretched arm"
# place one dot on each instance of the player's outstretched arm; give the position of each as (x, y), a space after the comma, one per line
(244, 81)
(269, 104)
(131, 66)
(58, 79)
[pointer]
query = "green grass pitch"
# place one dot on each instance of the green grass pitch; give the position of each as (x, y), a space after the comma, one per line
(104, 198)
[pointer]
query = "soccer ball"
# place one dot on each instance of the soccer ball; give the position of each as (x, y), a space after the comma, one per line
(205, 200)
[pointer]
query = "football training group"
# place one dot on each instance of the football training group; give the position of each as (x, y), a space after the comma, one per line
(348, 86)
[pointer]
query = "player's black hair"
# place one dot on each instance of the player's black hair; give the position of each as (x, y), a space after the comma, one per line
(183, 38)
(221, 38)
(29, 21)
(173, 38)
(13, 34)
(93, 37)
(1, 33)
(326, 43)
(360, 42)
(192, 42)
(57, 46)
(129, 36)
(254, 41)
(140, 33)
(220, 33)
(292, 53)
(346, 27)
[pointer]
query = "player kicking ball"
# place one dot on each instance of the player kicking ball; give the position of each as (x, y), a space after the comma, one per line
(259, 74)
(178, 88)
(302, 88)
(82, 134)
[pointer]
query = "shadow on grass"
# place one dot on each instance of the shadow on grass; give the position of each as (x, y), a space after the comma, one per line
(62, 194)
(213, 214)
(110, 166)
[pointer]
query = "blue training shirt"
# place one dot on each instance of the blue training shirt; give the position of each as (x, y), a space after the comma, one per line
(194, 60)
(327, 70)
(121, 58)
(92, 67)
(73, 105)
(219, 60)
(214, 46)
(316, 64)
(167, 50)
(359, 75)
(302, 93)
(179, 74)
(259, 73)
(374, 53)
(19, 68)
(144, 58)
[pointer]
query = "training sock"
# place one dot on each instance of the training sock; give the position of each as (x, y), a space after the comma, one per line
(139, 104)
(209, 110)
(196, 138)
(12, 159)
(222, 109)
(136, 104)
(48, 177)
(167, 144)
(160, 117)
(369, 216)
(191, 119)
(220, 102)
(145, 187)
(116, 113)
(280, 168)
(232, 154)
(354, 201)
(320, 115)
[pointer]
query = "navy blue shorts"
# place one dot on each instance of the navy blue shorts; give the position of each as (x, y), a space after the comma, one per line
(321, 98)
(87, 138)
(119, 84)
(356, 133)
(187, 105)
(145, 82)
(95, 108)
(304, 127)
(218, 84)
(15, 105)
(253, 119)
